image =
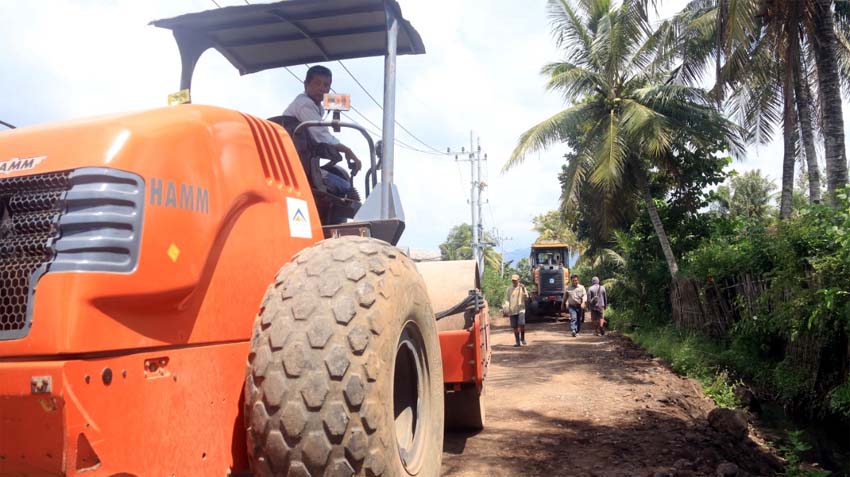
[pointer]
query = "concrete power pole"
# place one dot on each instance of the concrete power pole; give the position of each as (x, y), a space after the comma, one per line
(473, 202)
(474, 158)
(480, 202)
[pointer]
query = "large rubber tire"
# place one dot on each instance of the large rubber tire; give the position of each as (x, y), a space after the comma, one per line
(465, 409)
(344, 375)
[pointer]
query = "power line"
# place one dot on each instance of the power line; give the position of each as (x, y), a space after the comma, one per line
(492, 216)
(360, 84)
(381, 107)
(366, 118)
(217, 5)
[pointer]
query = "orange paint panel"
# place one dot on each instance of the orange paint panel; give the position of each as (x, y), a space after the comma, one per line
(466, 353)
(458, 356)
(232, 232)
(180, 422)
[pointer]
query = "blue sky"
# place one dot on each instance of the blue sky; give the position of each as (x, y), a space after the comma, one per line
(67, 59)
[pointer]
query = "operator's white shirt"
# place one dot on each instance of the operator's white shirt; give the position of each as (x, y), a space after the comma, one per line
(304, 109)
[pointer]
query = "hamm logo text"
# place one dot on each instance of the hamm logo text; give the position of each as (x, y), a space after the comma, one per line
(16, 164)
(179, 196)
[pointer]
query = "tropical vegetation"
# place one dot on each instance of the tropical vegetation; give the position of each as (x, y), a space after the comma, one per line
(656, 114)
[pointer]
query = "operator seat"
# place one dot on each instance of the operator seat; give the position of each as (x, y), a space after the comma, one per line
(333, 209)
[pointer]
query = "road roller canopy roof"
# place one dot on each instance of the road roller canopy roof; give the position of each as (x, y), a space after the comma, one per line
(294, 32)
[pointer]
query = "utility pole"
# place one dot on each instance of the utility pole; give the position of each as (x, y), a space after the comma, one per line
(474, 199)
(480, 187)
(475, 203)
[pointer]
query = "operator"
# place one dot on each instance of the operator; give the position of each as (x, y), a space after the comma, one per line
(307, 106)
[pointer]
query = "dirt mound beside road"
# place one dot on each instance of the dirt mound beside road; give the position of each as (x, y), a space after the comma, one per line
(594, 406)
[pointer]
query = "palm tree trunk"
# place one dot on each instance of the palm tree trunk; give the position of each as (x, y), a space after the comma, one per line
(790, 132)
(802, 93)
(666, 248)
(789, 125)
(830, 98)
(720, 48)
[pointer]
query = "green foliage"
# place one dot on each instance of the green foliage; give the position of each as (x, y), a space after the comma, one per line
(720, 389)
(748, 195)
(551, 227)
(458, 246)
(791, 383)
(804, 263)
(493, 287)
(839, 399)
(720, 256)
(793, 452)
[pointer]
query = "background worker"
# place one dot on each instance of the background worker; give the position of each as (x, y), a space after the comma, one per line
(514, 305)
(597, 301)
(575, 299)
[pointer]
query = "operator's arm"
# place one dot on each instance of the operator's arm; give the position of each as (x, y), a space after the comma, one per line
(353, 162)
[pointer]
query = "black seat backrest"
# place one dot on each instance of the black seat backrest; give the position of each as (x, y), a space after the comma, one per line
(332, 209)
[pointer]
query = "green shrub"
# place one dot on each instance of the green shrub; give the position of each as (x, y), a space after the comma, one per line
(793, 452)
(839, 399)
(721, 389)
(791, 384)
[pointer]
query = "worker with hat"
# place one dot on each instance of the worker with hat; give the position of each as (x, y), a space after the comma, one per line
(514, 306)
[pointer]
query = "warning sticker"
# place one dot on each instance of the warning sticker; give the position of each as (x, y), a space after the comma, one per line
(299, 218)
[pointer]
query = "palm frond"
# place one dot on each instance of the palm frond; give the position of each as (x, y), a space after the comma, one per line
(611, 256)
(610, 155)
(646, 126)
(573, 81)
(569, 30)
(548, 132)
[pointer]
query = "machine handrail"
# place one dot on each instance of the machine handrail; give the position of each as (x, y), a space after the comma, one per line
(336, 125)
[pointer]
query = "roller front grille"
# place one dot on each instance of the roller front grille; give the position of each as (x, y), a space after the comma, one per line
(30, 208)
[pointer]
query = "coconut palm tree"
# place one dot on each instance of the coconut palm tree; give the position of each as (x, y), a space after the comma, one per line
(630, 113)
(825, 45)
(774, 43)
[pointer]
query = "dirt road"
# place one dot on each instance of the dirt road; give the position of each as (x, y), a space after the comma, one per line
(593, 406)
